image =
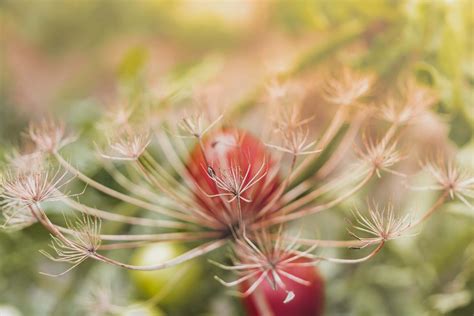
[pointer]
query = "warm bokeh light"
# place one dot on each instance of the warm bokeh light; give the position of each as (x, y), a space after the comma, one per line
(240, 157)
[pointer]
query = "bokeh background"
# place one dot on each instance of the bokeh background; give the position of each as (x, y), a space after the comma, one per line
(74, 58)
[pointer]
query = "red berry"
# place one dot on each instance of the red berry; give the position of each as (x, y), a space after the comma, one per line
(307, 301)
(232, 154)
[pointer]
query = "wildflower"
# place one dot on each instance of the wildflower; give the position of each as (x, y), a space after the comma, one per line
(23, 188)
(225, 187)
(128, 145)
(276, 90)
(283, 93)
(452, 179)
(291, 129)
(16, 217)
(278, 270)
(26, 163)
(118, 116)
(380, 156)
(195, 125)
(414, 102)
(380, 224)
(98, 301)
(295, 142)
(234, 183)
(80, 242)
(348, 87)
(49, 136)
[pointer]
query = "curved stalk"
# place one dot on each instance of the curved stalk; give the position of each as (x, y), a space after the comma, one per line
(337, 182)
(315, 209)
(123, 218)
(331, 131)
(317, 260)
(261, 303)
(130, 185)
(115, 194)
(281, 190)
(342, 148)
(351, 261)
(191, 254)
(432, 209)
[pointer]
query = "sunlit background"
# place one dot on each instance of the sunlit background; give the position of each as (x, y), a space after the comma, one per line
(76, 58)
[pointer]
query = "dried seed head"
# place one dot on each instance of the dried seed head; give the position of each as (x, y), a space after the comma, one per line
(128, 145)
(49, 135)
(26, 163)
(292, 132)
(103, 299)
(119, 116)
(99, 301)
(16, 217)
(295, 142)
(195, 125)
(414, 102)
(31, 187)
(380, 155)
(276, 91)
(85, 232)
(283, 94)
(234, 182)
(289, 117)
(451, 178)
(80, 242)
(348, 87)
(381, 224)
(267, 259)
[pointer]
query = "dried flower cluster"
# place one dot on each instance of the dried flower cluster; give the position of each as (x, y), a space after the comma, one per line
(205, 180)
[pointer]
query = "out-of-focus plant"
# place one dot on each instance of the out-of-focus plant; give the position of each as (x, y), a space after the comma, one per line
(427, 39)
(227, 187)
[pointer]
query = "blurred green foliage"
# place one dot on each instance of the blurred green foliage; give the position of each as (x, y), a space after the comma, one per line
(429, 274)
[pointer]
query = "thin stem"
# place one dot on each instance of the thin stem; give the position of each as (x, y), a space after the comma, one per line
(104, 189)
(191, 236)
(280, 191)
(44, 220)
(337, 182)
(315, 209)
(390, 133)
(157, 172)
(336, 123)
(191, 254)
(175, 160)
(355, 243)
(342, 147)
(351, 261)
(123, 218)
(165, 236)
(261, 302)
(129, 185)
(152, 176)
(41, 216)
(432, 209)
(141, 240)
